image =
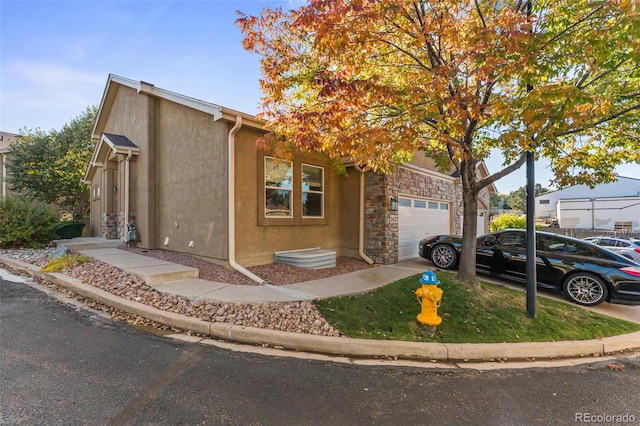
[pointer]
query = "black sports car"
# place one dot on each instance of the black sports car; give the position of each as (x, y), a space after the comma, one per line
(587, 274)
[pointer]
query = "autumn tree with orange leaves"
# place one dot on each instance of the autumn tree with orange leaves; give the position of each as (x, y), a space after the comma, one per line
(379, 80)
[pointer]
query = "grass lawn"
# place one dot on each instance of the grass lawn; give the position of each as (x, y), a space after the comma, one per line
(495, 315)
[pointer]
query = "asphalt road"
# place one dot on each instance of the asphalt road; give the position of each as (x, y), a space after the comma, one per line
(63, 365)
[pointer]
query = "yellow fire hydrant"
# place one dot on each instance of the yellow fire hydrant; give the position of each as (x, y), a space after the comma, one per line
(429, 296)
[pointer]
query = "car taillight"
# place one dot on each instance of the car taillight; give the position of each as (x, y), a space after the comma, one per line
(631, 270)
(637, 250)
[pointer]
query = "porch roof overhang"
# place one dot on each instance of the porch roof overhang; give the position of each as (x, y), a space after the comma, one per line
(108, 146)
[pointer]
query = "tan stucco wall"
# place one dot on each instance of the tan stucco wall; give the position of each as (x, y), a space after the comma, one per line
(179, 186)
(350, 212)
(191, 186)
(128, 116)
(179, 181)
(257, 242)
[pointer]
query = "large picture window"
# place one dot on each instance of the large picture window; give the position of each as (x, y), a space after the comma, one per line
(312, 191)
(278, 187)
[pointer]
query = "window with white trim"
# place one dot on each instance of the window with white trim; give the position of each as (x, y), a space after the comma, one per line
(278, 187)
(312, 191)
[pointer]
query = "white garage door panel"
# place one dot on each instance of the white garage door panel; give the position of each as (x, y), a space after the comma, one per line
(418, 218)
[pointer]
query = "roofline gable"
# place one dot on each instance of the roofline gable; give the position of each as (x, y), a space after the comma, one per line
(216, 111)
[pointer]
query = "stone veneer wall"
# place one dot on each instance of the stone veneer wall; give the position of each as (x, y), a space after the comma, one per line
(113, 225)
(381, 241)
(110, 226)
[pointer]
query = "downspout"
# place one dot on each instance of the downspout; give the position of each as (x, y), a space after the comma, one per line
(126, 193)
(361, 221)
(231, 204)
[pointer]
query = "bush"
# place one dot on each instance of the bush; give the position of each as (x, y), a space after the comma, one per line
(25, 223)
(68, 229)
(65, 261)
(506, 221)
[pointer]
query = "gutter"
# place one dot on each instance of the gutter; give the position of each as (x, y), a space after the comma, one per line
(361, 221)
(231, 204)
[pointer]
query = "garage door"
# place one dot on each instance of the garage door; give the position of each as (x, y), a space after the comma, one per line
(418, 218)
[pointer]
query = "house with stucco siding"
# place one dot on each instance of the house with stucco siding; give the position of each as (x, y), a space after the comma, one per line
(186, 175)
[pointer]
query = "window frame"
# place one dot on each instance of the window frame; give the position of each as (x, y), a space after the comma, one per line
(267, 187)
(297, 218)
(304, 191)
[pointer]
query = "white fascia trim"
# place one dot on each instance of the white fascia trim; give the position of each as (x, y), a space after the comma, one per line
(111, 79)
(119, 149)
(116, 150)
(206, 107)
(216, 111)
(431, 173)
(93, 161)
(248, 120)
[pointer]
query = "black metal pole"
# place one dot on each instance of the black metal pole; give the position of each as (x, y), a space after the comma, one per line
(531, 238)
(531, 224)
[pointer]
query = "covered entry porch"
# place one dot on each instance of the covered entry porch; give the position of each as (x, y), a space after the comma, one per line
(109, 175)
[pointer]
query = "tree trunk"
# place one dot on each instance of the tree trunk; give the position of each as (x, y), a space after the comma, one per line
(467, 265)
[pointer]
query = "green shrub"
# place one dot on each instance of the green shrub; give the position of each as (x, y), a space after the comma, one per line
(25, 223)
(506, 221)
(68, 228)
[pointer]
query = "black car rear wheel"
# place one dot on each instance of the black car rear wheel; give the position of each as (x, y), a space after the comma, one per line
(585, 289)
(444, 256)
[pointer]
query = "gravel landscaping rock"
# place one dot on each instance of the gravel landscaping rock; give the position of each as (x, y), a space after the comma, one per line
(298, 317)
(274, 273)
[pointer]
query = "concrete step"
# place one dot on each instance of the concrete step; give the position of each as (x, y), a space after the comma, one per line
(151, 270)
(157, 274)
(83, 243)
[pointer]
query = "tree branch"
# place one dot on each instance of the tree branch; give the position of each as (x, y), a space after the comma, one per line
(480, 15)
(502, 173)
(602, 121)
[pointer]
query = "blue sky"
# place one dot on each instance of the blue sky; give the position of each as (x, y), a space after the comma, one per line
(55, 57)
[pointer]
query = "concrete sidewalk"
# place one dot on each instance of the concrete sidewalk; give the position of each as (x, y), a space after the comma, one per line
(177, 279)
(171, 278)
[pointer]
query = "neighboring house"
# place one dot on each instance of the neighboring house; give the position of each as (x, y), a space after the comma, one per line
(5, 139)
(613, 206)
(188, 175)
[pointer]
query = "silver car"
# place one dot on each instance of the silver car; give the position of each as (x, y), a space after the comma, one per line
(628, 247)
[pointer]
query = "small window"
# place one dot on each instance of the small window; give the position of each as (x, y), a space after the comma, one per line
(433, 205)
(444, 206)
(404, 202)
(278, 187)
(420, 204)
(544, 201)
(312, 191)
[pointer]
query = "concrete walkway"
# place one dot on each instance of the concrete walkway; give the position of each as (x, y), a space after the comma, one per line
(180, 280)
(177, 279)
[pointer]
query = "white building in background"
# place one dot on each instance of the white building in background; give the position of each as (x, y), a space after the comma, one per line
(613, 206)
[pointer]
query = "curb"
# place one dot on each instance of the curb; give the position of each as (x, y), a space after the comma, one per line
(342, 346)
